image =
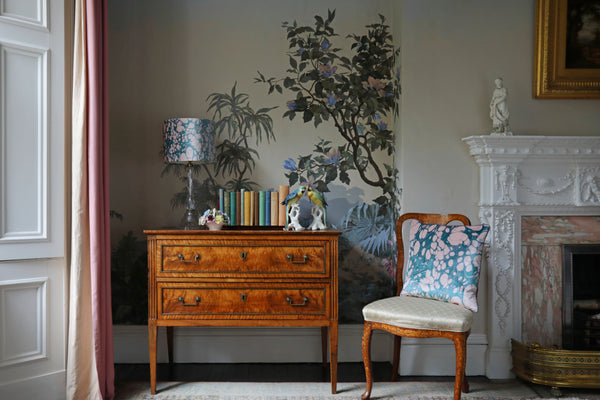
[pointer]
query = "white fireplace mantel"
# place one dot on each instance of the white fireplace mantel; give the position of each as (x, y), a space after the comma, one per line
(525, 175)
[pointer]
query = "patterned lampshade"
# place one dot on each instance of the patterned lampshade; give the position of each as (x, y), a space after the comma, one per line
(189, 140)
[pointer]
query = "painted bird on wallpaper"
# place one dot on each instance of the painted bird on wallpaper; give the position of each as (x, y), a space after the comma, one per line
(292, 198)
(319, 209)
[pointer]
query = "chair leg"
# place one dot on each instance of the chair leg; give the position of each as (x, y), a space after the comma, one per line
(366, 353)
(465, 385)
(460, 344)
(396, 359)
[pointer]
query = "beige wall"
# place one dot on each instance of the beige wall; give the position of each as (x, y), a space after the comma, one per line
(167, 56)
(451, 53)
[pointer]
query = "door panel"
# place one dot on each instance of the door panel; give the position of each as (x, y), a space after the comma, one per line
(33, 270)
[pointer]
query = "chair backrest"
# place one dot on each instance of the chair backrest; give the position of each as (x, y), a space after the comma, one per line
(441, 219)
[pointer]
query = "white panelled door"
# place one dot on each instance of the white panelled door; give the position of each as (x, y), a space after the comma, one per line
(33, 270)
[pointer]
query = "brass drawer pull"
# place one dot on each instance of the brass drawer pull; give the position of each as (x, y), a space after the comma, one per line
(291, 259)
(182, 258)
(304, 302)
(182, 301)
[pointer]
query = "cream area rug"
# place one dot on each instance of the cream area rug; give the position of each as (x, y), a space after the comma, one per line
(322, 391)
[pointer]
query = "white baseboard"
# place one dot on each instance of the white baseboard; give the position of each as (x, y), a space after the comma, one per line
(51, 386)
(276, 345)
(499, 363)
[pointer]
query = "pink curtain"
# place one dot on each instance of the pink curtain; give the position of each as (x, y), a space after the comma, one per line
(90, 369)
(98, 157)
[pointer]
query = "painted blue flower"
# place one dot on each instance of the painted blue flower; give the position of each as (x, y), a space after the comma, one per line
(325, 45)
(291, 105)
(382, 126)
(289, 164)
(327, 70)
(301, 50)
(377, 116)
(331, 100)
(333, 157)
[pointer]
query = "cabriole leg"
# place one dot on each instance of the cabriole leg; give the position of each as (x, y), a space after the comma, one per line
(366, 353)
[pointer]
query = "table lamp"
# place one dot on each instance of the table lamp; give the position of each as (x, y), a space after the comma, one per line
(189, 141)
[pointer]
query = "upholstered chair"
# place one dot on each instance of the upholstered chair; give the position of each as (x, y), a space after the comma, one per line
(437, 289)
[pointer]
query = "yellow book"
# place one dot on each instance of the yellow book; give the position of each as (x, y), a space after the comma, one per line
(247, 207)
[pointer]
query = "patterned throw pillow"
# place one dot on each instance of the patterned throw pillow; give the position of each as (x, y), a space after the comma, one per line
(444, 262)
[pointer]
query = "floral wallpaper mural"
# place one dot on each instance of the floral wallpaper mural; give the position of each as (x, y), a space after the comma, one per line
(358, 94)
(346, 82)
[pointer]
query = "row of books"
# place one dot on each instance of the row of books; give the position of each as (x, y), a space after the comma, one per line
(254, 208)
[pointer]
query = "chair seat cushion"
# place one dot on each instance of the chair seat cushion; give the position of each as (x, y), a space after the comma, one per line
(419, 313)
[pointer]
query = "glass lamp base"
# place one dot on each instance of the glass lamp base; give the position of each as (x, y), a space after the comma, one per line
(191, 216)
(191, 220)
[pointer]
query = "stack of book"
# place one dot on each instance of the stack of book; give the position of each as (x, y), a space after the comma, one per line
(254, 208)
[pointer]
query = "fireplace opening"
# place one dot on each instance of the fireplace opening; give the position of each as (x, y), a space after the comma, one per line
(581, 297)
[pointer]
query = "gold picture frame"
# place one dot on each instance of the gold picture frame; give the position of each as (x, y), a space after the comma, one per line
(564, 69)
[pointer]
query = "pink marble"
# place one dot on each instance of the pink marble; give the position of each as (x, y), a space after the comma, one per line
(541, 297)
(552, 230)
(541, 273)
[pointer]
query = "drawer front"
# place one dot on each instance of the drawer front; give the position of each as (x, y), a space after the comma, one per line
(233, 302)
(218, 259)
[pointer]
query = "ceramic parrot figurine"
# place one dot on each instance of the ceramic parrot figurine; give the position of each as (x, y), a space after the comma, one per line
(318, 199)
(292, 198)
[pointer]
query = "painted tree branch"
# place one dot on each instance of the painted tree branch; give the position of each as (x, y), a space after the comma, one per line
(357, 94)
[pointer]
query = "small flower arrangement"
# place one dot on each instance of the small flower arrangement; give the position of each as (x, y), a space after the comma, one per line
(213, 216)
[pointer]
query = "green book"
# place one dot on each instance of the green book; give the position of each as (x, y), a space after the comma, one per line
(233, 205)
(262, 207)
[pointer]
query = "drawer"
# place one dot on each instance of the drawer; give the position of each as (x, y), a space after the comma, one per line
(234, 302)
(218, 259)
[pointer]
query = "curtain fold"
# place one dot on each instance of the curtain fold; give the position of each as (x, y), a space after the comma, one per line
(90, 369)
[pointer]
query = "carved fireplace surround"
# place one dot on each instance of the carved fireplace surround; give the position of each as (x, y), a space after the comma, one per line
(525, 176)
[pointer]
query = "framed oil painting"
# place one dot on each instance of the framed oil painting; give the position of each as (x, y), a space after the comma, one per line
(567, 49)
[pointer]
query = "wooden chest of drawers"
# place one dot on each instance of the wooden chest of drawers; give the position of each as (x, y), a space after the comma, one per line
(243, 278)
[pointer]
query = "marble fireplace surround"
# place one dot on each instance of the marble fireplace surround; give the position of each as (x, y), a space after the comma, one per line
(522, 177)
(542, 237)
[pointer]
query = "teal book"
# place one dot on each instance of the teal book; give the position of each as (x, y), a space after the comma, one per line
(233, 208)
(242, 207)
(261, 207)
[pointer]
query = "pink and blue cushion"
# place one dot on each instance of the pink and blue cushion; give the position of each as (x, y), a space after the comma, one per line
(444, 263)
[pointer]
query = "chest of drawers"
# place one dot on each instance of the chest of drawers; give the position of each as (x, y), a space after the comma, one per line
(243, 278)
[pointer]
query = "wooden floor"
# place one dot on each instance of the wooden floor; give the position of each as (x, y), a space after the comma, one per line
(263, 372)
